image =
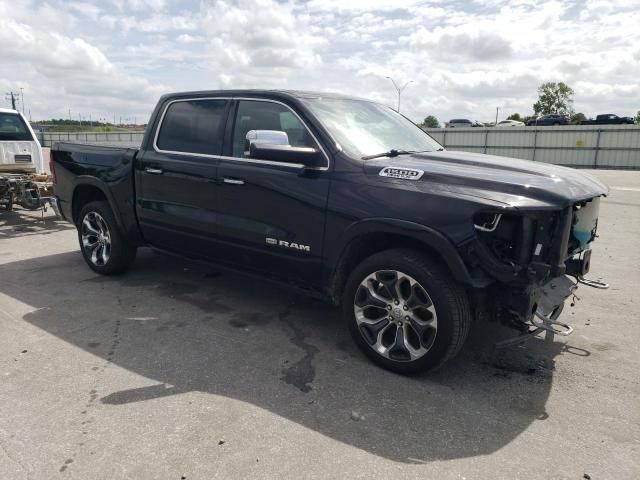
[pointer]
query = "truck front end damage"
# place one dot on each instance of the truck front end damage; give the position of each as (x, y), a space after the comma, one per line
(537, 260)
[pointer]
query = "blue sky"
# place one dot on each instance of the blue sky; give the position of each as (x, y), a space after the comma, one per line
(465, 58)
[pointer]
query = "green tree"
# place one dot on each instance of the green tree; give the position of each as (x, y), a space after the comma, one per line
(578, 118)
(638, 117)
(516, 117)
(554, 98)
(431, 122)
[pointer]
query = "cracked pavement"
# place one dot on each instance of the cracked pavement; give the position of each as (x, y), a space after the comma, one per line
(177, 369)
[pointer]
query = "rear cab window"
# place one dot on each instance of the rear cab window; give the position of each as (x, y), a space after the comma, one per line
(193, 126)
(13, 128)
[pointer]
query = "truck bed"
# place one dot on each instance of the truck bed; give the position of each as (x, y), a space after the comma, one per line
(105, 168)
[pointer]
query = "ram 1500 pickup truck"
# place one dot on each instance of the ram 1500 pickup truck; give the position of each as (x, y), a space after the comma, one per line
(345, 199)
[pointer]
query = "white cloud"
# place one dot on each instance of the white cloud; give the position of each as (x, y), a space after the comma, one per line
(139, 5)
(186, 38)
(69, 67)
(259, 40)
(465, 58)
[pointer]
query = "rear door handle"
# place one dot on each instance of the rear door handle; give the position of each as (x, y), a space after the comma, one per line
(233, 181)
(153, 171)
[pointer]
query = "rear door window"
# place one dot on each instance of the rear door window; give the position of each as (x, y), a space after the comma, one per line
(193, 126)
(13, 128)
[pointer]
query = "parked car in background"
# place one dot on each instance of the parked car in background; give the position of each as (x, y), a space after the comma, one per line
(609, 119)
(20, 159)
(547, 120)
(463, 123)
(510, 123)
(19, 147)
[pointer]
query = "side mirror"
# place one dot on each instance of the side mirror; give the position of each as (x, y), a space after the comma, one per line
(274, 145)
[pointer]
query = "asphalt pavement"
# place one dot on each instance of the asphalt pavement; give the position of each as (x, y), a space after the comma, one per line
(178, 370)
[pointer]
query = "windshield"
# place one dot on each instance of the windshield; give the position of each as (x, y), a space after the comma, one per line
(365, 128)
(13, 128)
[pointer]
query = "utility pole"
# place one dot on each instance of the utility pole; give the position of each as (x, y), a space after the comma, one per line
(497, 110)
(399, 90)
(69, 115)
(12, 96)
(22, 98)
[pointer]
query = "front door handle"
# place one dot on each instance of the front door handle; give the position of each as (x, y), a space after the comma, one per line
(153, 171)
(233, 181)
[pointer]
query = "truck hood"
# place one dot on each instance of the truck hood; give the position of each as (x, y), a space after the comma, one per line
(513, 182)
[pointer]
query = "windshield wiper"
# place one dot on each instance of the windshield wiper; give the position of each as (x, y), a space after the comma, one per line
(392, 153)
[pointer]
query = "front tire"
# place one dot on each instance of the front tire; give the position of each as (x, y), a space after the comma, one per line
(103, 246)
(405, 311)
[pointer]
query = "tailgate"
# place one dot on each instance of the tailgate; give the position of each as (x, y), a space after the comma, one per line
(17, 155)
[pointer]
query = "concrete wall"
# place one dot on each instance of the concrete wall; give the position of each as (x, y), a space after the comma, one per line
(602, 146)
(597, 146)
(49, 138)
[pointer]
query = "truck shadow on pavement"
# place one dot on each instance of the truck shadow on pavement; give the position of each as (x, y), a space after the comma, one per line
(190, 328)
(21, 223)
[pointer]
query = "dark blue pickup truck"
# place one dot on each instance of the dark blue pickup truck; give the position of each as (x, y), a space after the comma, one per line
(344, 199)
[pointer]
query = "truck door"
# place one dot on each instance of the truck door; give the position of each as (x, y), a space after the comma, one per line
(175, 177)
(271, 214)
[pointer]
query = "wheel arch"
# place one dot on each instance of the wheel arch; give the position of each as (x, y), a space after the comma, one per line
(366, 238)
(87, 190)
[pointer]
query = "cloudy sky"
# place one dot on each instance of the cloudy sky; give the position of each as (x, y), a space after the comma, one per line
(465, 57)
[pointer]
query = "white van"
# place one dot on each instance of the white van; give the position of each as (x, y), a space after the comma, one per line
(20, 149)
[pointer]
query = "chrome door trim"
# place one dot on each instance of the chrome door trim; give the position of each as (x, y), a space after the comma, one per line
(238, 159)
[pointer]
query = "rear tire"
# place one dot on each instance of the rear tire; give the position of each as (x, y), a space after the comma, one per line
(105, 249)
(405, 311)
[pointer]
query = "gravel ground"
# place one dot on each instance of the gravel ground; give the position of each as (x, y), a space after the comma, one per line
(176, 370)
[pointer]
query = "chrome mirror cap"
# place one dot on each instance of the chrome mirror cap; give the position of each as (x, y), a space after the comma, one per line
(265, 137)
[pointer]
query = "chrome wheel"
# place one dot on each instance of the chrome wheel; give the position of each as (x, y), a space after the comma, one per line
(96, 239)
(395, 315)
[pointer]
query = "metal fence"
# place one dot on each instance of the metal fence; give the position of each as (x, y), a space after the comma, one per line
(49, 138)
(602, 146)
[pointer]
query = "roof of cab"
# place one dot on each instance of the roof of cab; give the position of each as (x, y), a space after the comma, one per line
(8, 110)
(298, 94)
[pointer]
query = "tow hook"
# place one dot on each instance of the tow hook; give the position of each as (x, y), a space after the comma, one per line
(551, 324)
(547, 323)
(593, 283)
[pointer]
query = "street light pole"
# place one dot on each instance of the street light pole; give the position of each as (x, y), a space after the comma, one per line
(22, 98)
(497, 109)
(399, 89)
